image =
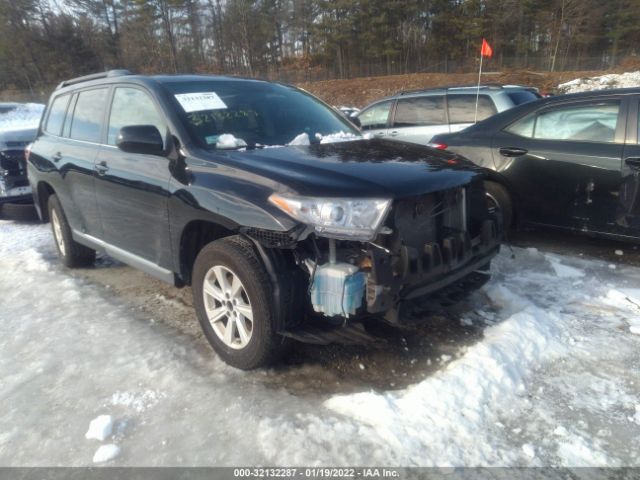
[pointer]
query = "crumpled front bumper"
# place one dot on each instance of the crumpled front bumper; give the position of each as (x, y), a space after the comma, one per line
(14, 185)
(438, 265)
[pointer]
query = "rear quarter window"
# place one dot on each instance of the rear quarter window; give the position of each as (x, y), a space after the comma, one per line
(522, 96)
(57, 112)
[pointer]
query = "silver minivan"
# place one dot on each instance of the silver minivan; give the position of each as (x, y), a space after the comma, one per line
(416, 116)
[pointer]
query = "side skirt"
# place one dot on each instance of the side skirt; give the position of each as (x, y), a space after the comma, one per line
(126, 257)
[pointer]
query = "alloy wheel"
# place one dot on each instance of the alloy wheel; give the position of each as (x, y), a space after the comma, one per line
(57, 232)
(228, 307)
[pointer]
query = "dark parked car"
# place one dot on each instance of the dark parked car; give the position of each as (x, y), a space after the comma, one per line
(189, 178)
(569, 161)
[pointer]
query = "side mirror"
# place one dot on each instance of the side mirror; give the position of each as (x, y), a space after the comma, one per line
(355, 121)
(145, 139)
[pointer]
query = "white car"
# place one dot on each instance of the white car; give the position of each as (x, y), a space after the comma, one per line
(416, 116)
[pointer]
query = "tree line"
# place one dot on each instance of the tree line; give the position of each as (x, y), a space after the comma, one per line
(45, 41)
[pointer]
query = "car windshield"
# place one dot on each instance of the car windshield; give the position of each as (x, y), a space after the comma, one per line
(228, 114)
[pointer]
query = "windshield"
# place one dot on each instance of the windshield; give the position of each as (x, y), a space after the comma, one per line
(227, 114)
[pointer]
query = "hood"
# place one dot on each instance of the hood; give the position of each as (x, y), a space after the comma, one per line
(17, 138)
(362, 168)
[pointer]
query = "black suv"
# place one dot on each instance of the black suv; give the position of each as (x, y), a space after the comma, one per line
(264, 199)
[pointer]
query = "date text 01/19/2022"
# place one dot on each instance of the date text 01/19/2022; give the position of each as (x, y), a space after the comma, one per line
(316, 472)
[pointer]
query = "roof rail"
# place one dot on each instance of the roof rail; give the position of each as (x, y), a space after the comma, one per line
(454, 87)
(94, 76)
(444, 87)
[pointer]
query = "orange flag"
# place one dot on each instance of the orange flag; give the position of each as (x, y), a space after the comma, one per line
(486, 50)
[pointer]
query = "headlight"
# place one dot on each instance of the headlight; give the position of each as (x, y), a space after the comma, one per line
(355, 218)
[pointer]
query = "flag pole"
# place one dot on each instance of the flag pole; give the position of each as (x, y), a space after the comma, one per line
(475, 118)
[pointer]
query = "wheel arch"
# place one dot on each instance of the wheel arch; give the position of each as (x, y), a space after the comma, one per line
(43, 191)
(195, 235)
(494, 177)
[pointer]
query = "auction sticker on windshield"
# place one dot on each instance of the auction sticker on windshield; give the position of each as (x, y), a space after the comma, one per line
(196, 102)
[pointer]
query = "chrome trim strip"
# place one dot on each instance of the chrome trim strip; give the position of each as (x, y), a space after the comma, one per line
(125, 257)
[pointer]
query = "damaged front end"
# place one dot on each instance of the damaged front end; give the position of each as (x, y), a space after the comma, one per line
(14, 185)
(415, 247)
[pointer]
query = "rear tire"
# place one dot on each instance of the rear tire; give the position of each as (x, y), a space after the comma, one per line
(234, 302)
(498, 197)
(72, 254)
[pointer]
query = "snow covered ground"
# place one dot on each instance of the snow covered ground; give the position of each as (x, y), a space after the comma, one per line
(553, 380)
(602, 82)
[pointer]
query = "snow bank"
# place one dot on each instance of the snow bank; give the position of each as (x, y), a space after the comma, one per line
(446, 409)
(603, 82)
(24, 117)
(508, 400)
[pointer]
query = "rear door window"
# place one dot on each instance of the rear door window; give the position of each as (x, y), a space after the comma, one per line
(57, 113)
(420, 111)
(87, 116)
(375, 117)
(585, 122)
(462, 108)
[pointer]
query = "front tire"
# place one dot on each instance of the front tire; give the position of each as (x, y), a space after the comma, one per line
(233, 297)
(72, 254)
(498, 197)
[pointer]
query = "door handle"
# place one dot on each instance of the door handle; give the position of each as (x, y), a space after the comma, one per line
(512, 151)
(633, 162)
(56, 157)
(101, 168)
(394, 133)
(380, 134)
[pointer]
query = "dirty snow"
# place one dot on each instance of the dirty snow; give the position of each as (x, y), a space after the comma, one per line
(26, 116)
(137, 401)
(602, 82)
(552, 382)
